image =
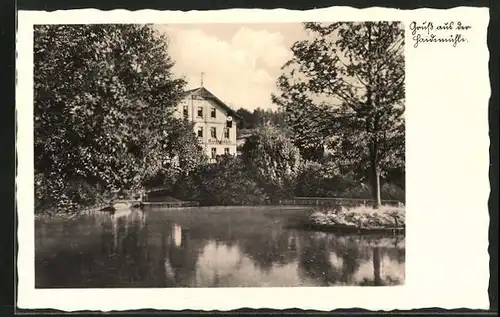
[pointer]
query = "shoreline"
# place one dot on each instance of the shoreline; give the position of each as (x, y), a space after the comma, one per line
(155, 205)
(361, 219)
(70, 215)
(352, 229)
(357, 220)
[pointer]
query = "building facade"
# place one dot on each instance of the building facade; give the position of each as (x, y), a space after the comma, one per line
(215, 123)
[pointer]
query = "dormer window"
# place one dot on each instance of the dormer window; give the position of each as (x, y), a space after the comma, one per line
(213, 112)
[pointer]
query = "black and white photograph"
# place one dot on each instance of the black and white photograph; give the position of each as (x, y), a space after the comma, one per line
(219, 155)
(322, 159)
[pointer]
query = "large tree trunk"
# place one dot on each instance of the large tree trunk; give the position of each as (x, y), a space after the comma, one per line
(375, 181)
(374, 146)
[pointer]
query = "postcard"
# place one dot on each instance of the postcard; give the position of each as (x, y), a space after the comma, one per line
(320, 159)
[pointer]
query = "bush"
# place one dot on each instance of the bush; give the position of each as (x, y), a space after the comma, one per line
(391, 191)
(361, 217)
(274, 161)
(224, 183)
(320, 180)
(326, 180)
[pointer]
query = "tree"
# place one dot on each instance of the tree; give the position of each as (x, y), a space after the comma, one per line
(268, 116)
(274, 159)
(260, 117)
(104, 97)
(344, 87)
(246, 121)
(180, 154)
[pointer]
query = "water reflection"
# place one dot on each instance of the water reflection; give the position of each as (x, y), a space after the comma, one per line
(180, 256)
(200, 248)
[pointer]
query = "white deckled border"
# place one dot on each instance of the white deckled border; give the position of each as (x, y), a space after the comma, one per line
(447, 174)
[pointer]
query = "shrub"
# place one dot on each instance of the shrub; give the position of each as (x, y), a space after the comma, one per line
(273, 159)
(361, 217)
(321, 180)
(224, 183)
(326, 180)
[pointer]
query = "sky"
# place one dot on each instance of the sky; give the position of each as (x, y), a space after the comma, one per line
(240, 62)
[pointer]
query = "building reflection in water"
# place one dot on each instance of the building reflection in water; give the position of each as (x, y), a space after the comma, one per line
(180, 256)
(218, 263)
(177, 234)
(156, 249)
(194, 256)
(285, 258)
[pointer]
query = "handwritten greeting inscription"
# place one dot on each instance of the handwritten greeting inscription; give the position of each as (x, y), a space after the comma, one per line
(453, 33)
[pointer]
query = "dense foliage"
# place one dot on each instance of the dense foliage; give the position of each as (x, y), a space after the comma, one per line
(322, 180)
(104, 96)
(326, 180)
(260, 117)
(264, 173)
(230, 182)
(344, 89)
(224, 183)
(103, 123)
(273, 159)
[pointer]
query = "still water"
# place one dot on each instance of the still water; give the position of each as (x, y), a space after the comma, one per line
(208, 247)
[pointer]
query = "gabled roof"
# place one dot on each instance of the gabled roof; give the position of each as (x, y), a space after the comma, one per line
(205, 93)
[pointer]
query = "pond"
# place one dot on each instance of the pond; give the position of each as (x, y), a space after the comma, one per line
(208, 247)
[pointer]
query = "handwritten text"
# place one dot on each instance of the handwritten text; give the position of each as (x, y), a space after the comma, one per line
(431, 32)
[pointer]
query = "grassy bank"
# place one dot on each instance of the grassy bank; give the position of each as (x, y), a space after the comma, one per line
(52, 213)
(362, 218)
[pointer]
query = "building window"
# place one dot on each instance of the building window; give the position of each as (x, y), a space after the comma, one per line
(229, 122)
(226, 151)
(213, 132)
(200, 132)
(185, 112)
(226, 133)
(200, 112)
(214, 152)
(212, 112)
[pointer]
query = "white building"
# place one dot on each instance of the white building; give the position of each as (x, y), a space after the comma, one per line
(214, 121)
